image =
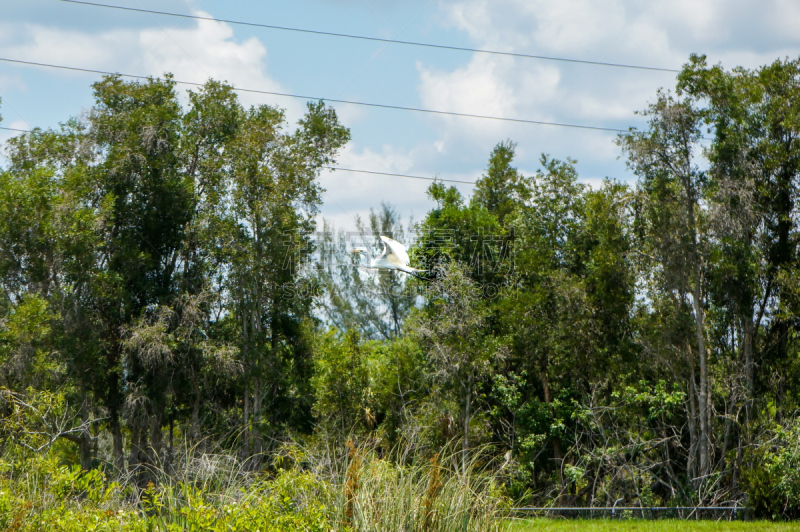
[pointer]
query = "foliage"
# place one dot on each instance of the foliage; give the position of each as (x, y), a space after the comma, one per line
(341, 382)
(170, 319)
(773, 478)
(303, 495)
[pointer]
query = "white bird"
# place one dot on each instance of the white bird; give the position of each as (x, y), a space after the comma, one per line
(394, 257)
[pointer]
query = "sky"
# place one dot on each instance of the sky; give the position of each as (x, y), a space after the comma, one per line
(653, 33)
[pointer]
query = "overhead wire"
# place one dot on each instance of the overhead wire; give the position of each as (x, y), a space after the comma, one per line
(399, 175)
(371, 172)
(347, 102)
(375, 39)
(334, 100)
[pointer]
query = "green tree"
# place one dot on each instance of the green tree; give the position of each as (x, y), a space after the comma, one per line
(341, 382)
(48, 234)
(503, 189)
(460, 352)
(664, 158)
(274, 199)
(567, 314)
(146, 204)
(755, 164)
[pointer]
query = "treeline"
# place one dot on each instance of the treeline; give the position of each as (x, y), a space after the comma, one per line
(164, 286)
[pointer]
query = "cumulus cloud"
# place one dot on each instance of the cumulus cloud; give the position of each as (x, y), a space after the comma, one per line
(348, 190)
(661, 34)
(350, 194)
(194, 51)
(655, 33)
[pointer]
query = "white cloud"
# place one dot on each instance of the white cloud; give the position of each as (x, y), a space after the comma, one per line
(202, 50)
(656, 32)
(347, 190)
(351, 194)
(478, 85)
(662, 34)
(350, 114)
(488, 86)
(785, 19)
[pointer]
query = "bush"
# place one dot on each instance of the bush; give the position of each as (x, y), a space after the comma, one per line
(773, 480)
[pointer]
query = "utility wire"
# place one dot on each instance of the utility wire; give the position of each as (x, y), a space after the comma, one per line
(399, 175)
(330, 167)
(376, 39)
(349, 102)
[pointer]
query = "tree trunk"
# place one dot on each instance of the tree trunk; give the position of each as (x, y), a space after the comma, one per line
(558, 454)
(705, 432)
(699, 315)
(135, 457)
(170, 449)
(114, 397)
(85, 441)
(691, 462)
(749, 366)
(116, 429)
(154, 455)
(116, 436)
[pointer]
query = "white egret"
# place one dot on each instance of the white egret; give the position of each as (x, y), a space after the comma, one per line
(394, 257)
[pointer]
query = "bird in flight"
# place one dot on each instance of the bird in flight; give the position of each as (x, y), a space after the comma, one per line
(394, 257)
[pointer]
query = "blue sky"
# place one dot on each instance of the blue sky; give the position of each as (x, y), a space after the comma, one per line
(642, 32)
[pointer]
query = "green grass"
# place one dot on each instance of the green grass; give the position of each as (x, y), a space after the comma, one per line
(352, 491)
(666, 525)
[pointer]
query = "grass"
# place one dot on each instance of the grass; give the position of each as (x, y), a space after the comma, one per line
(352, 491)
(665, 525)
(379, 495)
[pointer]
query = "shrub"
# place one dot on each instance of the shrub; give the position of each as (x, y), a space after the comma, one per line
(773, 480)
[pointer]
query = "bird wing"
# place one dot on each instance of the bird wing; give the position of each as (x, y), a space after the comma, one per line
(397, 249)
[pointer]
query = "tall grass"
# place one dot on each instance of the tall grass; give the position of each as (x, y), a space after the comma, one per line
(353, 490)
(379, 495)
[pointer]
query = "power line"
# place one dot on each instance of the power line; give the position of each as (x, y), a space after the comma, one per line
(332, 167)
(349, 102)
(376, 39)
(399, 175)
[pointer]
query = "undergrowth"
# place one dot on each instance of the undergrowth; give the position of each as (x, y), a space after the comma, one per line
(357, 491)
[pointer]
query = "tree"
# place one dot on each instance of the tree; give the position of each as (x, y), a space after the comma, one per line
(567, 314)
(146, 203)
(460, 352)
(146, 229)
(755, 165)
(274, 199)
(503, 188)
(340, 382)
(672, 184)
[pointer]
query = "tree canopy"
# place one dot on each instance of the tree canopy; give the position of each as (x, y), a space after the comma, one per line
(161, 269)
